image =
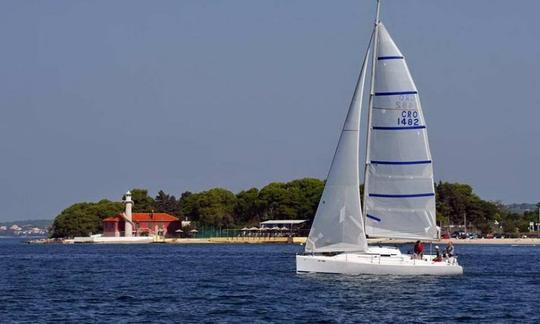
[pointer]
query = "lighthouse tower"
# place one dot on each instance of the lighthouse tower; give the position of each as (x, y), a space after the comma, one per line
(128, 216)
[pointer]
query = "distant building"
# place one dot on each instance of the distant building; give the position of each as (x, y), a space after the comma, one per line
(142, 224)
(15, 227)
(128, 224)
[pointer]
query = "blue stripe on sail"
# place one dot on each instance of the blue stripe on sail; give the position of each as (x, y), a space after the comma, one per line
(389, 58)
(398, 128)
(373, 217)
(395, 93)
(428, 194)
(401, 162)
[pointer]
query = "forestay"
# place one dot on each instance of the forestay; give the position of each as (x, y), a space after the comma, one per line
(338, 224)
(400, 199)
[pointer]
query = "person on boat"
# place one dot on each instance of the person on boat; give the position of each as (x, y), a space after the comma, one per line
(449, 250)
(418, 250)
(438, 257)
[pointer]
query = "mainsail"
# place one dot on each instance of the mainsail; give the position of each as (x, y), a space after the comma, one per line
(338, 224)
(399, 196)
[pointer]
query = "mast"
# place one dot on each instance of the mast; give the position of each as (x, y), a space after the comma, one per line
(370, 104)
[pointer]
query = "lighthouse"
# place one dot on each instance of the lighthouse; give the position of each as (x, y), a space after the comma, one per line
(128, 215)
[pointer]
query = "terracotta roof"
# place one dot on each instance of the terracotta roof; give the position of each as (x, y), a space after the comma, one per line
(144, 217)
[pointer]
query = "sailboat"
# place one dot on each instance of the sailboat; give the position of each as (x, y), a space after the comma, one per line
(399, 195)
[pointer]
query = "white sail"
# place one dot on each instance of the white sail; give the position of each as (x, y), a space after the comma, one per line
(400, 198)
(338, 224)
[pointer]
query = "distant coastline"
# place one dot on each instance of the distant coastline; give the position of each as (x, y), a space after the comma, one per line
(25, 228)
(479, 241)
(218, 208)
(302, 240)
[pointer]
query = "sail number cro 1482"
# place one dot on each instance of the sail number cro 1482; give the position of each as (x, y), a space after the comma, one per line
(408, 118)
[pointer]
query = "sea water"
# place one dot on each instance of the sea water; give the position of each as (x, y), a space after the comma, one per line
(253, 283)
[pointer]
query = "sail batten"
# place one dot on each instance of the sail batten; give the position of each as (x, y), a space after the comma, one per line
(394, 93)
(427, 194)
(400, 198)
(401, 162)
(380, 58)
(398, 127)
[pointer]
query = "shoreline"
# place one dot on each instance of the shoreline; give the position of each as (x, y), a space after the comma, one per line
(300, 241)
(501, 241)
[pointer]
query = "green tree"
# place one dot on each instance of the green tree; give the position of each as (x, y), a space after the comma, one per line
(248, 208)
(164, 203)
(276, 202)
(512, 223)
(82, 219)
(297, 199)
(142, 202)
(306, 193)
(455, 200)
(214, 207)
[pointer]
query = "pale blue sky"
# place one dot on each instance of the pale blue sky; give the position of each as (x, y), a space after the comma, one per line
(101, 96)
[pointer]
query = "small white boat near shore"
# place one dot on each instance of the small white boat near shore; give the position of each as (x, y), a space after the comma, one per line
(399, 193)
(100, 239)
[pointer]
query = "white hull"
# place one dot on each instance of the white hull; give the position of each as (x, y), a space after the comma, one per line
(377, 261)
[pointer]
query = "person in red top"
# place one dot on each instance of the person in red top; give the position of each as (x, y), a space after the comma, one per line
(419, 250)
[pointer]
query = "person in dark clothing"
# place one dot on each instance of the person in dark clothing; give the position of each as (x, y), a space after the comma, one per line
(418, 250)
(438, 257)
(450, 250)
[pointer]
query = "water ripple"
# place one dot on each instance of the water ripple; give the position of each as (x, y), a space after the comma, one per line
(252, 283)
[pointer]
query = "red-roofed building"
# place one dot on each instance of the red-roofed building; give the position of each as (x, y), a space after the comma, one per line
(144, 224)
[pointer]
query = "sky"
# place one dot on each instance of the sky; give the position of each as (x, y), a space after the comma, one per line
(97, 97)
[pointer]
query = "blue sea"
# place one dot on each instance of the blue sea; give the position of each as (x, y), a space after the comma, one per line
(255, 284)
